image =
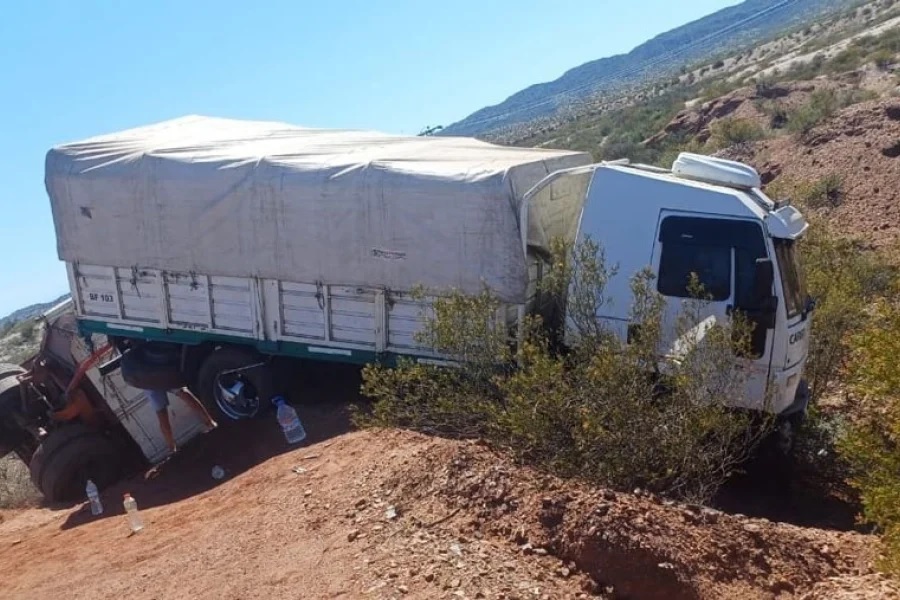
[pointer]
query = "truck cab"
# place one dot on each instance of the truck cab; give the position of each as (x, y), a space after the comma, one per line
(69, 415)
(708, 216)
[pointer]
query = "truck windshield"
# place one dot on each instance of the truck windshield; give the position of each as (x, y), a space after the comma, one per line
(791, 276)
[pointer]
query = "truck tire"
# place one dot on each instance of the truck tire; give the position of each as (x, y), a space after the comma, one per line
(258, 383)
(7, 369)
(10, 396)
(53, 442)
(11, 436)
(66, 471)
(146, 371)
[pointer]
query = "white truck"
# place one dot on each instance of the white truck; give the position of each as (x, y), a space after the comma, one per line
(202, 247)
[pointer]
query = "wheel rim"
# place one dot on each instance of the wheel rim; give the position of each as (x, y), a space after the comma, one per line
(236, 396)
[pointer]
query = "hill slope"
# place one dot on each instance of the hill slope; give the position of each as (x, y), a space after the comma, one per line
(29, 312)
(389, 514)
(728, 29)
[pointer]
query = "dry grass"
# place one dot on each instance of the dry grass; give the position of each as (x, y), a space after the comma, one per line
(16, 490)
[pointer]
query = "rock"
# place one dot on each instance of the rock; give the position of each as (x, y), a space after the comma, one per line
(752, 528)
(403, 589)
(456, 549)
(455, 583)
(361, 503)
(710, 516)
(564, 572)
(429, 577)
(353, 535)
(391, 513)
(540, 551)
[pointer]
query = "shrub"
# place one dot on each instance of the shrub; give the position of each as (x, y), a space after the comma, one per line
(776, 111)
(883, 59)
(16, 489)
(844, 279)
(732, 130)
(601, 411)
(27, 330)
(826, 192)
(822, 105)
(847, 60)
(873, 443)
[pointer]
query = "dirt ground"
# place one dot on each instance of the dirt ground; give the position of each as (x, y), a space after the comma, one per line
(391, 514)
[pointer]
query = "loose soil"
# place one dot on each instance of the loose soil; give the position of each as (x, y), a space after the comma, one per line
(392, 514)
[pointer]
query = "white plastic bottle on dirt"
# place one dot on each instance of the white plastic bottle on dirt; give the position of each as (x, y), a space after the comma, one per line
(134, 517)
(94, 498)
(289, 421)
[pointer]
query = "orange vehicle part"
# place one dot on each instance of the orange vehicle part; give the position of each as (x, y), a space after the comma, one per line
(78, 406)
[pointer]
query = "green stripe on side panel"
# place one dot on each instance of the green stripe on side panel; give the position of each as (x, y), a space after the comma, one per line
(281, 348)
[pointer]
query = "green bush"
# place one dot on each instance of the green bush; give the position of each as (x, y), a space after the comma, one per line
(732, 130)
(883, 59)
(847, 60)
(603, 411)
(873, 443)
(822, 105)
(27, 330)
(826, 192)
(845, 280)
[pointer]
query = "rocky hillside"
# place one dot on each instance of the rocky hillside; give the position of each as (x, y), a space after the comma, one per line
(722, 32)
(20, 335)
(29, 312)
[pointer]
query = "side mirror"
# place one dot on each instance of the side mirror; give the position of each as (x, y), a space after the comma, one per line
(763, 279)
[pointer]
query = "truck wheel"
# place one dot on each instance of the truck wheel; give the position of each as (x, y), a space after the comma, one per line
(238, 395)
(11, 436)
(7, 369)
(66, 471)
(147, 372)
(53, 442)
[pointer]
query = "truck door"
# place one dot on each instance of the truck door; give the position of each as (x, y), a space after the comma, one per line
(723, 253)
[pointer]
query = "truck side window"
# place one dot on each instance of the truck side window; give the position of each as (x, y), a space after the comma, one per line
(711, 264)
(704, 246)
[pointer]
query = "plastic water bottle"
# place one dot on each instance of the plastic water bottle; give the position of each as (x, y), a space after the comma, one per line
(94, 498)
(289, 421)
(134, 517)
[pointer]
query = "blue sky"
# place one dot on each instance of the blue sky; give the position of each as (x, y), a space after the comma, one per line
(72, 69)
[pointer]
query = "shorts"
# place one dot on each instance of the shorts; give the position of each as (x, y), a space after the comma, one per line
(159, 399)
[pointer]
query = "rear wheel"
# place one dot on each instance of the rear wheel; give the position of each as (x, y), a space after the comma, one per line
(237, 382)
(11, 435)
(65, 472)
(57, 456)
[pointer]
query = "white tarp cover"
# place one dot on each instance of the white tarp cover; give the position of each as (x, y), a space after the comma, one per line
(265, 199)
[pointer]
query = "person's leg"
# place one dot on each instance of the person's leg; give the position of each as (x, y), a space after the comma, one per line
(196, 406)
(159, 400)
(166, 427)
